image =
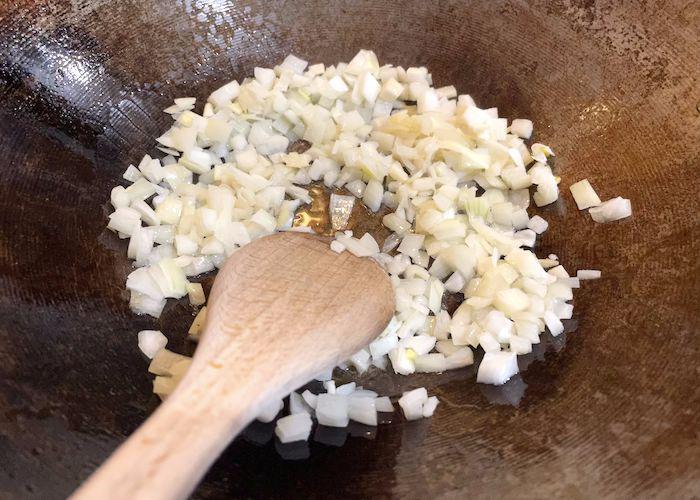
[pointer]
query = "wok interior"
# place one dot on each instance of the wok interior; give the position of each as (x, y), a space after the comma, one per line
(610, 409)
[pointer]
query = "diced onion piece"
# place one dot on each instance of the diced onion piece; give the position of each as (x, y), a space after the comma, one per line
(197, 325)
(383, 404)
(361, 360)
(332, 410)
(264, 219)
(164, 362)
(132, 174)
(611, 210)
(431, 363)
(163, 386)
(553, 323)
(584, 195)
(310, 398)
(540, 152)
(346, 389)
(362, 410)
(411, 244)
(558, 271)
(373, 195)
(225, 94)
(460, 358)
(511, 300)
(419, 344)
(329, 385)
(412, 402)
(364, 247)
(298, 405)
(588, 274)
(521, 128)
(497, 368)
(402, 361)
(337, 246)
(383, 345)
(527, 237)
(538, 224)
(430, 406)
(520, 345)
(391, 90)
(151, 341)
(195, 293)
(143, 304)
(295, 427)
(119, 197)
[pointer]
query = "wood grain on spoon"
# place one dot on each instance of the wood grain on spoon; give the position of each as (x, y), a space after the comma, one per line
(283, 309)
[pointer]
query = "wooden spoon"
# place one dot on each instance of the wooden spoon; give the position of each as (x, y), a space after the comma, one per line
(283, 309)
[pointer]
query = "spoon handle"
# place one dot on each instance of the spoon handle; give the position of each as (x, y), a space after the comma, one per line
(169, 454)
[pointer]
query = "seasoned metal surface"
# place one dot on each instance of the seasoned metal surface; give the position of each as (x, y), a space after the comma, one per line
(613, 89)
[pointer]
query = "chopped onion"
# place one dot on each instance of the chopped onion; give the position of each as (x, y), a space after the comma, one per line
(497, 368)
(521, 128)
(362, 410)
(419, 344)
(454, 178)
(195, 293)
(166, 362)
(119, 197)
(151, 341)
(584, 195)
(373, 195)
(329, 385)
(361, 360)
(310, 398)
(298, 405)
(520, 345)
(295, 427)
(431, 363)
(611, 210)
(553, 323)
(197, 325)
(337, 246)
(346, 389)
(538, 224)
(332, 410)
(383, 404)
(132, 174)
(412, 403)
(429, 406)
(588, 274)
(460, 358)
(364, 247)
(411, 244)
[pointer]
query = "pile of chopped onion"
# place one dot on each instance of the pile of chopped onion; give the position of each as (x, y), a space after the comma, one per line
(455, 177)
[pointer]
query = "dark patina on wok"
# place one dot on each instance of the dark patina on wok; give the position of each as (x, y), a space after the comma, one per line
(613, 89)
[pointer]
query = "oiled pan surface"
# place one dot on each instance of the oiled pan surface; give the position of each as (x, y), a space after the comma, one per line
(610, 410)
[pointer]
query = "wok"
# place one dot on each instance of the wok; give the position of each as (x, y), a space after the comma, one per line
(607, 410)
